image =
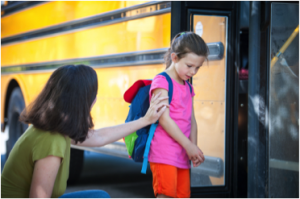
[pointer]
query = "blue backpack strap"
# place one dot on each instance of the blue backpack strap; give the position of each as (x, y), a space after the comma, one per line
(170, 85)
(153, 126)
(147, 147)
(191, 90)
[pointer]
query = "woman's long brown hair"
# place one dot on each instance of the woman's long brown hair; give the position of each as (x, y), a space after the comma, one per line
(64, 104)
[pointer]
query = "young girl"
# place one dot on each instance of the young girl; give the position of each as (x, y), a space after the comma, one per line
(38, 165)
(175, 139)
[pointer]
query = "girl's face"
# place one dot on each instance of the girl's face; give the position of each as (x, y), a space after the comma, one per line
(187, 66)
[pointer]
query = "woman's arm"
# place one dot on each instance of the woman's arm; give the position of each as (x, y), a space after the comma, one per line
(43, 178)
(174, 131)
(103, 136)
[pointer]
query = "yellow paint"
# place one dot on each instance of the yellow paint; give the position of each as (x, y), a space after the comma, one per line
(141, 34)
(136, 35)
(110, 108)
(132, 3)
(56, 12)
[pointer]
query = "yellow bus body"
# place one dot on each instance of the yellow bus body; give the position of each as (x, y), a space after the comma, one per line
(136, 35)
(148, 33)
(56, 12)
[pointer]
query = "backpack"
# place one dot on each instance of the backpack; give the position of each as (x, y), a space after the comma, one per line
(138, 143)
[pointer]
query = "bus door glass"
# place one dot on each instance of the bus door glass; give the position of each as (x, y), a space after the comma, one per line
(284, 101)
(209, 102)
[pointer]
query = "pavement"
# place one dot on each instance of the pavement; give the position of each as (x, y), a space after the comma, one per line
(119, 177)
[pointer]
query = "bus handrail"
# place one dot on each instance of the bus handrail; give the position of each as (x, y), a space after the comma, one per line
(212, 166)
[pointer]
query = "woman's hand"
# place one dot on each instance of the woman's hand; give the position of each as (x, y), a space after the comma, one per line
(156, 108)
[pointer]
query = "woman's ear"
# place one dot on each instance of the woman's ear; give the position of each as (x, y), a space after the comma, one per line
(174, 57)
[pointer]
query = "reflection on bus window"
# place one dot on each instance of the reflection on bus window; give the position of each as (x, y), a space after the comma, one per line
(284, 101)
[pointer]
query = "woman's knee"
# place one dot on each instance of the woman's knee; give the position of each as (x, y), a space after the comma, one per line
(87, 194)
(98, 194)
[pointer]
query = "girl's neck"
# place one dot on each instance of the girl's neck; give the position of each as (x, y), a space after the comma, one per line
(173, 74)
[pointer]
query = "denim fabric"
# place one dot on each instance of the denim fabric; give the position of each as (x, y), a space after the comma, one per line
(86, 194)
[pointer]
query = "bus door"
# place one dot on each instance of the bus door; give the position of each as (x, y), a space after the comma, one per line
(216, 92)
(280, 81)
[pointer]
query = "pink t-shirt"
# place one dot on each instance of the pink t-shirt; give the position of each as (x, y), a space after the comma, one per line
(164, 149)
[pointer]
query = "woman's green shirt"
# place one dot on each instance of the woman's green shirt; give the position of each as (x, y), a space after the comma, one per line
(33, 145)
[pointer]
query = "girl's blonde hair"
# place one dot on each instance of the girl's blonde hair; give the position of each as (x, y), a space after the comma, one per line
(186, 42)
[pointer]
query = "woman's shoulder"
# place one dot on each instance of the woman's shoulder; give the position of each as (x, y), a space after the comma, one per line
(48, 143)
(43, 135)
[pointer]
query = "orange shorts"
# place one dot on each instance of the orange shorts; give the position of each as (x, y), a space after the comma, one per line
(170, 180)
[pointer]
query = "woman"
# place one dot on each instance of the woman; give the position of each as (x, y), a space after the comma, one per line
(38, 165)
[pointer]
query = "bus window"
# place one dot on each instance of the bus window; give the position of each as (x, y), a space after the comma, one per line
(284, 101)
(209, 102)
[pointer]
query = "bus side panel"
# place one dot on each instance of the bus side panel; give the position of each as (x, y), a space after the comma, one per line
(110, 108)
(34, 83)
(56, 12)
(141, 34)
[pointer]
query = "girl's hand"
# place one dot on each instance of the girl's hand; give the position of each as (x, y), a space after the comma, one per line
(195, 155)
(156, 108)
(196, 163)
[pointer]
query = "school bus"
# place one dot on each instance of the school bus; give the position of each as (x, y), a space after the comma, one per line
(253, 58)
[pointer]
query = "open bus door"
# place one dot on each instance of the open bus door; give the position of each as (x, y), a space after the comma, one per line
(248, 129)
(216, 88)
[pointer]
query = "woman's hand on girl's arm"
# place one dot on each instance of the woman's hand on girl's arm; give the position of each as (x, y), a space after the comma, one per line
(43, 177)
(103, 136)
(156, 108)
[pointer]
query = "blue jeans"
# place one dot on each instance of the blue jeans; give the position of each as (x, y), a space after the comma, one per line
(86, 194)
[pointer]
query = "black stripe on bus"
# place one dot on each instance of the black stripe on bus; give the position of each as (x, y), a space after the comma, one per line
(156, 56)
(14, 6)
(117, 16)
(123, 59)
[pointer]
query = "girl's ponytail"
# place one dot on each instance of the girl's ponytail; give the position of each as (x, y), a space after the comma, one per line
(167, 58)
